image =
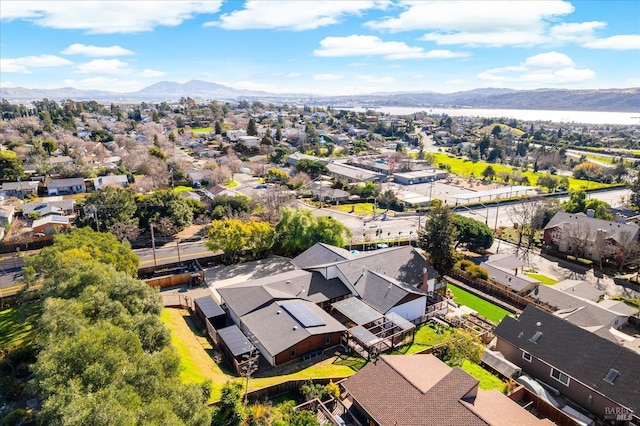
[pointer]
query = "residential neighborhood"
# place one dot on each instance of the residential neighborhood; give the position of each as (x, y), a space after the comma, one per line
(297, 249)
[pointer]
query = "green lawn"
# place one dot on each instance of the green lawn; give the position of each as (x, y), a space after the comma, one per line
(202, 130)
(359, 208)
(182, 188)
(465, 167)
(16, 330)
(427, 335)
(486, 309)
(488, 380)
(542, 278)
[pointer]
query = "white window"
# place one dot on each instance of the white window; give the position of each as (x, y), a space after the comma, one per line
(560, 376)
(526, 356)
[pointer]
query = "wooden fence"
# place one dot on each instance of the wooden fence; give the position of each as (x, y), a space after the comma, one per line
(174, 280)
(292, 386)
(544, 409)
(493, 293)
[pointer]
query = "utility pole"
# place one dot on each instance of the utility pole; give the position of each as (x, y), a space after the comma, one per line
(153, 245)
(178, 248)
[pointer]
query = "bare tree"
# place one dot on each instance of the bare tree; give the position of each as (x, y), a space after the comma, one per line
(272, 200)
(125, 231)
(626, 249)
(579, 236)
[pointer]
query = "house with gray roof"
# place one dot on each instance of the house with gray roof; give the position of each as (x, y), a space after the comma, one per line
(289, 329)
(20, 189)
(65, 186)
(598, 374)
(506, 270)
(585, 236)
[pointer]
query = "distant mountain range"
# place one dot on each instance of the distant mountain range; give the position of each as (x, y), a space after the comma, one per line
(615, 100)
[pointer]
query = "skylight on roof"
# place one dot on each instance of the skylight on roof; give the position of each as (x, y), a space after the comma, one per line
(611, 376)
(536, 336)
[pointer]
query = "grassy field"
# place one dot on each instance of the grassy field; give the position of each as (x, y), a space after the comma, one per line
(197, 364)
(488, 381)
(15, 330)
(542, 278)
(484, 308)
(426, 336)
(465, 167)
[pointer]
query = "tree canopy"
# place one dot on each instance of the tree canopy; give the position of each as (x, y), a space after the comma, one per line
(105, 356)
(299, 229)
(10, 166)
(168, 204)
(108, 207)
(438, 237)
(232, 236)
(472, 233)
(311, 167)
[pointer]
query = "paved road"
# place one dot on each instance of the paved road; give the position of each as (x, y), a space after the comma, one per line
(172, 253)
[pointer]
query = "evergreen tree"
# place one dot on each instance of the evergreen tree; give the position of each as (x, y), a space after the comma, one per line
(438, 238)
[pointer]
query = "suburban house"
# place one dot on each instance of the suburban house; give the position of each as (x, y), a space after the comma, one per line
(214, 190)
(585, 236)
(6, 215)
(420, 389)
(598, 374)
(20, 189)
(65, 186)
(117, 181)
(323, 191)
(46, 208)
(50, 225)
(283, 313)
(503, 271)
(249, 141)
(396, 279)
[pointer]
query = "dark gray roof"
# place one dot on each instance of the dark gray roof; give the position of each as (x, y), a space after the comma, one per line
(64, 183)
(277, 330)
(404, 264)
(320, 254)
(233, 339)
(579, 353)
(383, 293)
(357, 311)
(247, 296)
(209, 306)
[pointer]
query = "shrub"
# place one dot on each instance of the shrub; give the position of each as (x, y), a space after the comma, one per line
(464, 265)
(476, 271)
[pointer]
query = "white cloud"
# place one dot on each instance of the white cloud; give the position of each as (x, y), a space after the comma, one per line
(324, 77)
(374, 79)
(151, 73)
(544, 69)
(23, 64)
(292, 15)
(103, 83)
(87, 50)
(364, 45)
(106, 17)
(492, 23)
(104, 66)
(292, 75)
(619, 42)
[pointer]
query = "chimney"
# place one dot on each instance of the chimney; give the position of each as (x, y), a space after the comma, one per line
(591, 213)
(424, 286)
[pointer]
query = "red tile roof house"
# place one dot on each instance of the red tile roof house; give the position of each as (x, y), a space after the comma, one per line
(417, 390)
(600, 375)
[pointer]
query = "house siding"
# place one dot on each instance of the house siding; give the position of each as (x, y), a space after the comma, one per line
(576, 391)
(309, 344)
(412, 309)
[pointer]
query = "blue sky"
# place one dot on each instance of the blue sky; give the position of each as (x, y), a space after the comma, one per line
(321, 47)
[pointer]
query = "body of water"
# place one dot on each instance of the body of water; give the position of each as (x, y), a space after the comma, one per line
(587, 117)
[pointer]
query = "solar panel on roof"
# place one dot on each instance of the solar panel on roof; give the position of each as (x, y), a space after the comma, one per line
(303, 314)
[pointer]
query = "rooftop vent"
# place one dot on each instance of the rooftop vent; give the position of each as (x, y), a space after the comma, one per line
(278, 312)
(288, 282)
(295, 327)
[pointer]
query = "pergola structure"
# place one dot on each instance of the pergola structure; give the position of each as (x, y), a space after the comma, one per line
(374, 332)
